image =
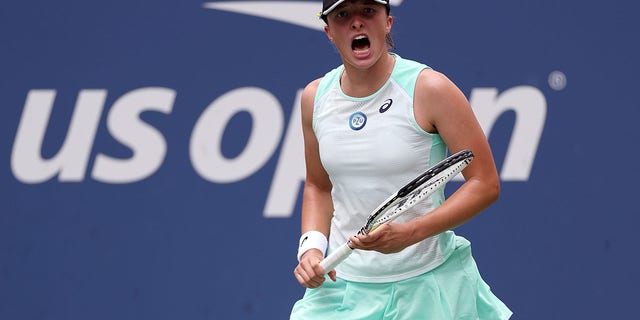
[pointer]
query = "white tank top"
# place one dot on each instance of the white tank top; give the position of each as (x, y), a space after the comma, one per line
(371, 147)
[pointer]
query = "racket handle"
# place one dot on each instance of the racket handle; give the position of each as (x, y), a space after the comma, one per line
(331, 261)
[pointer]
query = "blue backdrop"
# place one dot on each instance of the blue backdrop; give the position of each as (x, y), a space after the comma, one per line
(151, 163)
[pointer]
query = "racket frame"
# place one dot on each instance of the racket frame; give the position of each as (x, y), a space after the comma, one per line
(425, 184)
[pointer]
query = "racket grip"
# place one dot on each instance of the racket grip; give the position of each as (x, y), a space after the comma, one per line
(331, 261)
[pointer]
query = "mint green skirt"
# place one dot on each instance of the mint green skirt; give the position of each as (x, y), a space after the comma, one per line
(453, 291)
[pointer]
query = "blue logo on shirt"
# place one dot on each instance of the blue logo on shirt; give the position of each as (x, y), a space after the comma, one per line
(357, 120)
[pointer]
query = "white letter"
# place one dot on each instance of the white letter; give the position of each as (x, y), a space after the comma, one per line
(530, 107)
(206, 139)
(27, 163)
(290, 172)
(148, 144)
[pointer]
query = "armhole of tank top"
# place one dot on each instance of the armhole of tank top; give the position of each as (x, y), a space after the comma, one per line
(412, 115)
(438, 149)
(314, 112)
(316, 98)
(323, 86)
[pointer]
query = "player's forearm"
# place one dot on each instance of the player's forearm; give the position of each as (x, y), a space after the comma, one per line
(317, 209)
(469, 200)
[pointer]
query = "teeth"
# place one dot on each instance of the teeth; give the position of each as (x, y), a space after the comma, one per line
(360, 37)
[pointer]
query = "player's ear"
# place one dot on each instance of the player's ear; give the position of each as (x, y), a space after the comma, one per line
(389, 23)
(327, 31)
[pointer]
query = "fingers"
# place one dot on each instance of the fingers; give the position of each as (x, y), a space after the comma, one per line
(307, 279)
(388, 238)
(332, 275)
(370, 240)
(309, 273)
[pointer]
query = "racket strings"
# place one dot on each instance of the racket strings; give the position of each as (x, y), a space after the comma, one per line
(404, 203)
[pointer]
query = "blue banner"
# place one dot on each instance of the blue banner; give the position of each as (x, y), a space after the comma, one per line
(151, 158)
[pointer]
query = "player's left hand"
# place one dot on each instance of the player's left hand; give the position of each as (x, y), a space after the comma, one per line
(387, 238)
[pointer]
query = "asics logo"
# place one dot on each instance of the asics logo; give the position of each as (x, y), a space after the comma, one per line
(300, 13)
(387, 104)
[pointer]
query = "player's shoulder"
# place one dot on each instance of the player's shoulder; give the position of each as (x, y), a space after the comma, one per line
(434, 85)
(313, 85)
(433, 79)
(311, 88)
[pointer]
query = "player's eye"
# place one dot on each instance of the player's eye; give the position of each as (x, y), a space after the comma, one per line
(341, 14)
(368, 10)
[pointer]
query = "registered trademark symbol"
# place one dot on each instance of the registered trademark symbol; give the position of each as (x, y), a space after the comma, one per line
(557, 80)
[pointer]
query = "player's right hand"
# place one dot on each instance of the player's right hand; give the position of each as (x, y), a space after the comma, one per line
(309, 273)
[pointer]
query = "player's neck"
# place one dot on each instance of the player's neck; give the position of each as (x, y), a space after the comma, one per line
(357, 82)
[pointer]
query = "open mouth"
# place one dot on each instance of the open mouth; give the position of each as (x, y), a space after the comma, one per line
(360, 43)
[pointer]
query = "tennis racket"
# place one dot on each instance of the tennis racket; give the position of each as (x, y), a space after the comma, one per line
(420, 188)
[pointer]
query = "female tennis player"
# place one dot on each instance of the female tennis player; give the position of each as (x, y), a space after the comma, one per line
(370, 126)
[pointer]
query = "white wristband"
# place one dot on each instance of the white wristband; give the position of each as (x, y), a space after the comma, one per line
(312, 240)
